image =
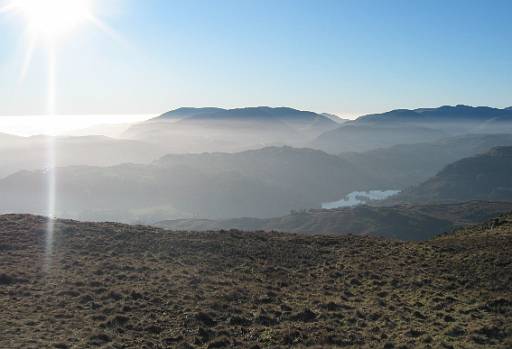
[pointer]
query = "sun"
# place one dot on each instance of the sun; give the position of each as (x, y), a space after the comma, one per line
(53, 19)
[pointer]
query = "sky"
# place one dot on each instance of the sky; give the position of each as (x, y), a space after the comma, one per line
(338, 56)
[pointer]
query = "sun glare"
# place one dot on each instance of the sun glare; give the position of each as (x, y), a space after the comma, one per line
(52, 19)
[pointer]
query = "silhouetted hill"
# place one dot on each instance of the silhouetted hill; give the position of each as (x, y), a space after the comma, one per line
(143, 287)
(188, 130)
(404, 126)
(350, 137)
(482, 177)
(31, 153)
(401, 166)
(184, 112)
(416, 222)
(261, 183)
(444, 115)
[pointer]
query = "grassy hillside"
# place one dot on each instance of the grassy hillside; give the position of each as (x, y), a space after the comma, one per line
(119, 286)
(405, 222)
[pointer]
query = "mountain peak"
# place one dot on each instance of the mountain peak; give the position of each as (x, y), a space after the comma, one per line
(196, 130)
(445, 113)
(260, 112)
(253, 114)
(184, 112)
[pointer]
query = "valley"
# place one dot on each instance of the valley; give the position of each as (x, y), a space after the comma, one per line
(255, 174)
(404, 222)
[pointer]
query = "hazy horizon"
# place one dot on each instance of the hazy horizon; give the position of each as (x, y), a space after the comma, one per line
(67, 124)
(346, 58)
(248, 212)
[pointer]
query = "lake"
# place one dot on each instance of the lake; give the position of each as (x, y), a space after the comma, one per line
(360, 197)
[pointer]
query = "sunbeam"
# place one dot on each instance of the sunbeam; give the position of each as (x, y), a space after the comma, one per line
(27, 59)
(51, 156)
(48, 23)
(105, 28)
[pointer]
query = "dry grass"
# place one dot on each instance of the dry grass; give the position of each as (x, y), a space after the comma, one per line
(120, 286)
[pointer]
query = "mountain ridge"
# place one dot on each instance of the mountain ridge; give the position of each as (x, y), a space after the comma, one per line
(186, 130)
(409, 126)
(486, 176)
(263, 182)
(460, 112)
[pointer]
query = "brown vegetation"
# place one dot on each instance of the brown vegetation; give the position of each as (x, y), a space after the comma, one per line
(118, 286)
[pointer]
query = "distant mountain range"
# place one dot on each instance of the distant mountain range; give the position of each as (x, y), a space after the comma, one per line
(405, 165)
(404, 126)
(352, 137)
(101, 178)
(403, 222)
(261, 183)
(482, 177)
(186, 130)
(258, 183)
(446, 115)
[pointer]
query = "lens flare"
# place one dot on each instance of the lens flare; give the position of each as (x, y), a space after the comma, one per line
(52, 19)
(48, 22)
(51, 162)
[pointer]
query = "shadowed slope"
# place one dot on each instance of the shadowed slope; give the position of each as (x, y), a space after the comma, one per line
(415, 222)
(262, 183)
(486, 176)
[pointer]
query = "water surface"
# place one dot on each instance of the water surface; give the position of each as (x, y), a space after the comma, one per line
(360, 197)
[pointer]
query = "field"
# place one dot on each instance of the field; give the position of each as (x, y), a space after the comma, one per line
(119, 286)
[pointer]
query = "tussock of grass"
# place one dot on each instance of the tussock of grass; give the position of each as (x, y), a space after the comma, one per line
(120, 286)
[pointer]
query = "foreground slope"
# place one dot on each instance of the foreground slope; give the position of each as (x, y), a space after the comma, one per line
(119, 286)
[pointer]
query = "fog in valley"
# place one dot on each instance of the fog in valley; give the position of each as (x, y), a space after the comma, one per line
(255, 174)
(262, 162)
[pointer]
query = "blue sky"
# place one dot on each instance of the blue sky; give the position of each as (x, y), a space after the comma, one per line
(345, 57)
